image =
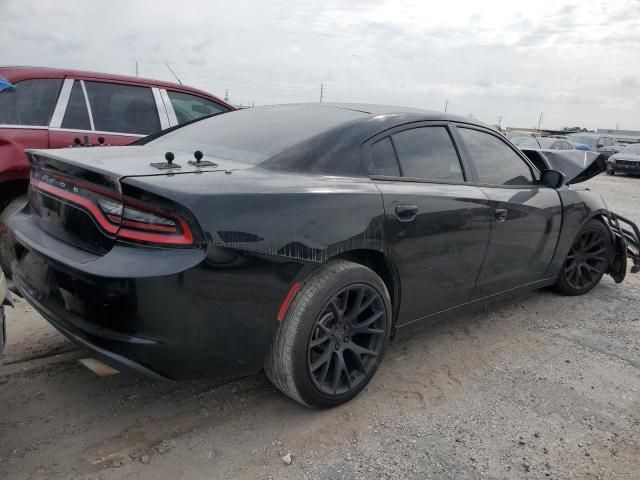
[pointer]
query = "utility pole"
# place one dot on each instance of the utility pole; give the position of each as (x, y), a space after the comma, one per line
(540, 120)
(446, 105)
(617, 125)
(226, 95)
(136, 68)
(321, 92)
(500, 122)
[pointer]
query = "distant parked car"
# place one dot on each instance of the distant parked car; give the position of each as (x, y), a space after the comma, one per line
(603, 144)
(626, 161)
(526, 141)
(556, 144)
(54, 108)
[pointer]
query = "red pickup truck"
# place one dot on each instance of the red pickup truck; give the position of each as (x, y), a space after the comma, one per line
(54, 108)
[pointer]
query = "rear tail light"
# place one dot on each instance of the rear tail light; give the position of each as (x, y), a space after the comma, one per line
(127, 219)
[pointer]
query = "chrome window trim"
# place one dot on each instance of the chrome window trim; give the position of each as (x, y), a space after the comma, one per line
(162, 110)
(86, 99)
(25, 127)
(136, 135)
(61, 105)
(173, 119)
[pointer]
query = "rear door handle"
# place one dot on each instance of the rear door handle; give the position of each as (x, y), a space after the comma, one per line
(406, 213)
(500, 214)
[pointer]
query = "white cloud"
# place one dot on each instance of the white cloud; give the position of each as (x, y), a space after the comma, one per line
(576, 61)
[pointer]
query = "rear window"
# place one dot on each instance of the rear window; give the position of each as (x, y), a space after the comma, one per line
(30, 103)
(254, 135)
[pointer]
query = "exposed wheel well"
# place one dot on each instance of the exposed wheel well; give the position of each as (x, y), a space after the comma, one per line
(384, 268)
(9, 191)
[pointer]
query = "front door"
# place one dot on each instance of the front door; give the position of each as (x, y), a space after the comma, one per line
(436, 223)
(525, 217)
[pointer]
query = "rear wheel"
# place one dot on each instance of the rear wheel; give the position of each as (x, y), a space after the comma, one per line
(587, 260)
(333, 337)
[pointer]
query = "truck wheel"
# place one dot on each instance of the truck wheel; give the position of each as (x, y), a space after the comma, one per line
(587, 260)
(333, 337)
(7, 251)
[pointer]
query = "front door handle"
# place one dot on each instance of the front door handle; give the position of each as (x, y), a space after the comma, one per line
(406, 213)
(500, 214)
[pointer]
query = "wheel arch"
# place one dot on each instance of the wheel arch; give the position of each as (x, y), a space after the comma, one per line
(383, 267)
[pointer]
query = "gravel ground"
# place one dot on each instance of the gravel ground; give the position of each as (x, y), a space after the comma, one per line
(542, 386)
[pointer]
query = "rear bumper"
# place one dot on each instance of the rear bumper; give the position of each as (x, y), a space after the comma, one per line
(213, 320)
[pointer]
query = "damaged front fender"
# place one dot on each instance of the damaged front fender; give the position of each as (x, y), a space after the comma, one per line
(626, 238)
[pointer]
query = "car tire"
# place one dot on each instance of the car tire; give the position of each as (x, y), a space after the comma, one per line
(587, 261)
(610, 170)
(322, 354)
(7, 250)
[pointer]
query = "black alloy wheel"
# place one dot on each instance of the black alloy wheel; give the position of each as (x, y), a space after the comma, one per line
(346, 340)
(587, 260)
(333, 337)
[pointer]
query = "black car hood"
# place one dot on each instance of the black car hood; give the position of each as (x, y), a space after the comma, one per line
(577, 165)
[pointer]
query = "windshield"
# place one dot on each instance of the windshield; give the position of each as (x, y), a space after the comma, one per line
(631, 149)
(547, 142)
(255, 134)
(584, 139)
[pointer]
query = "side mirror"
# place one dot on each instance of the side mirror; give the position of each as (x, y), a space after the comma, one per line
(552, 178)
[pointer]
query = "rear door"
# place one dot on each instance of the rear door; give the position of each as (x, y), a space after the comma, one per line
(525, 216)
(93, 113)
(436, 222)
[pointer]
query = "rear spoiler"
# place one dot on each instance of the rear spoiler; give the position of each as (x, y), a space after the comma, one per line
(577, 165)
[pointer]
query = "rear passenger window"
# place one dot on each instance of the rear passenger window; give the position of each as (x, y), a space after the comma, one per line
(76, 117)
(189, 107)
(30, 102)
(495, 162)
(383, 159)
(123, 108)
(428, 152)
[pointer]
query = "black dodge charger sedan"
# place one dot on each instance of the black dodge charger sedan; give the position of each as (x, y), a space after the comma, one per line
(297, 238)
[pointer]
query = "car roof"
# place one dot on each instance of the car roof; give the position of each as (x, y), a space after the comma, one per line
(18, 73)
(376, 110)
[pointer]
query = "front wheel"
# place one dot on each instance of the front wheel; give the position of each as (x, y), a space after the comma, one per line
(610, 170)
(587, 260)
(333, 337)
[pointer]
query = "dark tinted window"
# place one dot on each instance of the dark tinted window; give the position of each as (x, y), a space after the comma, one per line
(254, 135)
(122, 108)
(189, 107)
(428, 152)
(383, 159)
(31, 102)
(495, 161)
(76, 116)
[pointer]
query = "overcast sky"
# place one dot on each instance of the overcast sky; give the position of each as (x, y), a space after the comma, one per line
(578, 62)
